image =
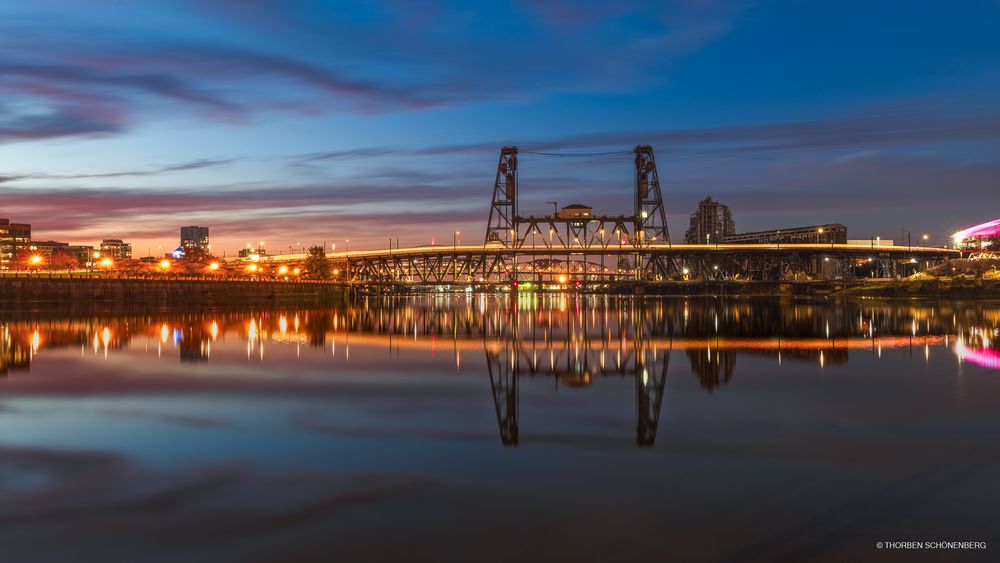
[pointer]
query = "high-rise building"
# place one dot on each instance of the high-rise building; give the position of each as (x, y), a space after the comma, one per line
(14, 237)
(710, 223)
(195, 238)
(116, 248)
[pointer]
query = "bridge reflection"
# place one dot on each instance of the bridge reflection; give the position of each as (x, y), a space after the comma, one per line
(574, 350)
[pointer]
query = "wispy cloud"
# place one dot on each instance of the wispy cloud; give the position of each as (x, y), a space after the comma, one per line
(71, 79)
(178, 167)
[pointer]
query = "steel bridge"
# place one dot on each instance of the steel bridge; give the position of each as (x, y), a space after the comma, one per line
(599, 249)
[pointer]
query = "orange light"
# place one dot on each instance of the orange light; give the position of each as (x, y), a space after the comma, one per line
(165, 264)
(295, 271)
(562, 279)
(36, 259)
(213, 266)
(252, 267)
(106, 262)
(283, 270)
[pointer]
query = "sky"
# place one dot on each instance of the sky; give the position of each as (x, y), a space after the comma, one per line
(299, 122)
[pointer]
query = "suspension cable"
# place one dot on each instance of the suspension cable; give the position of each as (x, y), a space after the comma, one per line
(576, 154)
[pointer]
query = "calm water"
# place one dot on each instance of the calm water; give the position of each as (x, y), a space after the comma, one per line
(485, 428)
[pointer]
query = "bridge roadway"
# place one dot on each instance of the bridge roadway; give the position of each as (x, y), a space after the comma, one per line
(600, 261)
(679, 250)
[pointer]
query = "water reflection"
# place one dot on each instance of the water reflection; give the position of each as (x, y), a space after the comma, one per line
(270, 429)
(573, 341)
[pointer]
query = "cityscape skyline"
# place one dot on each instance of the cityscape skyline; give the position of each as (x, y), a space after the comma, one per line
(368, 122)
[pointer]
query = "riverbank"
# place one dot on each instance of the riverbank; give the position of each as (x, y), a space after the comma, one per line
(946, 288)
(32, 293)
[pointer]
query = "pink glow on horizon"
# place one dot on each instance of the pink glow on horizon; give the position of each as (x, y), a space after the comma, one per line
(990, 229)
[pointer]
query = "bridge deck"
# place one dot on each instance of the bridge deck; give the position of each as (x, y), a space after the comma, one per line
(625, 249)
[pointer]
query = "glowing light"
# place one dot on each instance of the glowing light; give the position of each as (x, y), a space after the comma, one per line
(215, 330)
(562, 279)
(164, 333)
(283, 324)
(36, 340)
(165, 264)
(106, 336)
(989, 229)
(36, 259)
(106, 262)
(213, 266)
(283, 270)
(252, 268)
(985, 357)
(296, 271)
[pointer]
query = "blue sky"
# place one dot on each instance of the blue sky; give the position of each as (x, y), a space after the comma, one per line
(304, 121)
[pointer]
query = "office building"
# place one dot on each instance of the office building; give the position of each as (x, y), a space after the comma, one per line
(14, 237)
(196, 239)
(116, 249)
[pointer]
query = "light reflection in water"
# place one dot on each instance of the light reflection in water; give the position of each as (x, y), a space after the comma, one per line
(557, 328)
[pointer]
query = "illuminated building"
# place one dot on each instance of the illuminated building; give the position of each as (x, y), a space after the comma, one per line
(116, 248)
(83, 253)
(13, 238)
(195, 238)
(833, 233)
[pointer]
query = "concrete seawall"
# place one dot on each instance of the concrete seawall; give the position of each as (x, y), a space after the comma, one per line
(167, 291)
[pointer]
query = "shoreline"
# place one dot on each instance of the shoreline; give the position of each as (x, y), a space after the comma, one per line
(28, 293)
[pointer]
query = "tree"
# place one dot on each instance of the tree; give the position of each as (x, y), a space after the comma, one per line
(62, 261)
(317, 264)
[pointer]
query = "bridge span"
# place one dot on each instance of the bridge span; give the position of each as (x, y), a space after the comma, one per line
(574, 246)
(596, 264)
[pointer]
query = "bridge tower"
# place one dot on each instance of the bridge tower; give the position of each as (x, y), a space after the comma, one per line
(502, 225)
(650, 214)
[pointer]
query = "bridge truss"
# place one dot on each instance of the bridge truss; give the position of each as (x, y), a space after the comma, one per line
(610, 248)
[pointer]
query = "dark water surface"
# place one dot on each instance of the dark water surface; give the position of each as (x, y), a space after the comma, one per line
(491, 428)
